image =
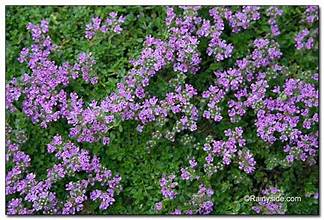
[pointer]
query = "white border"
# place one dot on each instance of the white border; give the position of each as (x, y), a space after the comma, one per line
(124, 2)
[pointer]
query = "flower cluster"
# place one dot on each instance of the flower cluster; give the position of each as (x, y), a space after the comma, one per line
(264, 55)
(112, 23)
(311, 14)
(44, 97)
(214, 95)
(243, 18)
(273, 12)
(266, 51)
(168, 185)
(246, 161)
(270, 204)
(281, 115)
(90, 123)
(217, 46)
(13, 93)
(183, 39)
(200, 203)
(230, 79)
(227, 151)
(83, 67)
(305, 38)
(188, 173)
(71, 160)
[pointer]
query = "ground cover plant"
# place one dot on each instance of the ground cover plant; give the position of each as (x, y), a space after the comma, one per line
(162, 110)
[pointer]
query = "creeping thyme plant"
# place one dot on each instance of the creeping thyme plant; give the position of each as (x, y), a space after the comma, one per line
(162, 110)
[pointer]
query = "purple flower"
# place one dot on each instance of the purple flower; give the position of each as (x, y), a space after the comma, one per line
(158, 206)
(112, 23)
(106, 140)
